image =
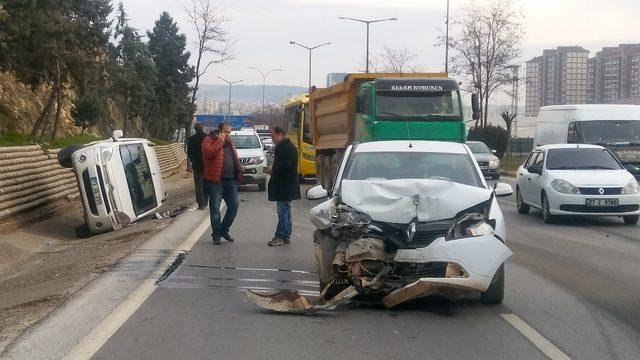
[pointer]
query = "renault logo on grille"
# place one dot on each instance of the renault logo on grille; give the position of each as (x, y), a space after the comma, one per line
(601, 191)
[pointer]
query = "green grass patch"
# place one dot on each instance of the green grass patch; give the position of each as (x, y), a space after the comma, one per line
(511, 163)
(14, 139)
(160, 142)
(17, 139)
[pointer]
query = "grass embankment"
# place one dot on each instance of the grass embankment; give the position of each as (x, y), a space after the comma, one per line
(17, 139)
(511, 164)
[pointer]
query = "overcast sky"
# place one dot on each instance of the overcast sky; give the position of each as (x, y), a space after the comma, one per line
(263, 29)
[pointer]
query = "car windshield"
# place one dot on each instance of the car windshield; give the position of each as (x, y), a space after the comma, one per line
(458, 168)
(246, 141)
(421, 104)
(610, 132)
(478, 148)
(581, 159)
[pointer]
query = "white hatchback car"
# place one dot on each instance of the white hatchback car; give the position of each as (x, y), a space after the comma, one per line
(577, 179)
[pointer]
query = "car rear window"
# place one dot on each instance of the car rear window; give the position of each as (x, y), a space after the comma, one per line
(581, 159)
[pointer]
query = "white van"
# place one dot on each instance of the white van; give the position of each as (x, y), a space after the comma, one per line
(616, 127)
(119, 181)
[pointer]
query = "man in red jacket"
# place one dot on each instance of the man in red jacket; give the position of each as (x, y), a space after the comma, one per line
(222, 173)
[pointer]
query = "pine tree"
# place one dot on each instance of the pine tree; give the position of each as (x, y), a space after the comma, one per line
(173, 108)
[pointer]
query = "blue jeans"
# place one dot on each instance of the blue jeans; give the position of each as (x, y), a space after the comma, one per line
(227, 190)
(283, 230)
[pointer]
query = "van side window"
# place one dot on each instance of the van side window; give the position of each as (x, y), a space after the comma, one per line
(572, 134)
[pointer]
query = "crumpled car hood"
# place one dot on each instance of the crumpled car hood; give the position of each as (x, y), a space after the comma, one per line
(401, 201)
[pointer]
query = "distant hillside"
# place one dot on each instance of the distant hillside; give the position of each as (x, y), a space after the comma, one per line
(250, 94)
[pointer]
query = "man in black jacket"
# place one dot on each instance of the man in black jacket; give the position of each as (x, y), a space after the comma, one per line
(283, 185)
(194, 152)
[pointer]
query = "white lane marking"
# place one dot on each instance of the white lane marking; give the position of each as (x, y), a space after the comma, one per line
(109, 325)
(536, 339)
(508, 202)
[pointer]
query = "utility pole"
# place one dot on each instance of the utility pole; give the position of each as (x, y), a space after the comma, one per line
(367, 22)
(515, 96)
(446, 45)
(264, 81)
(230, 84)
(310, 48)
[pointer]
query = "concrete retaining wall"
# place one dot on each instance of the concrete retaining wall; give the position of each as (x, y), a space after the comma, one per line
(30, 176)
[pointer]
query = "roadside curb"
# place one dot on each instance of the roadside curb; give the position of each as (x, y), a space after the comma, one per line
(59, 332)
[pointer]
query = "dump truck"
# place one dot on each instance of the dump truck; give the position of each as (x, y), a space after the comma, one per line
(374, 106)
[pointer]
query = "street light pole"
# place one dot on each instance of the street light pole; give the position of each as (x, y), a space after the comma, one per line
(446, 46)
(264, 81)
(309, 48)
(367, 22)
(230, 84)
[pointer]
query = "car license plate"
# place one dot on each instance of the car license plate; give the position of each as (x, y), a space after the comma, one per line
(602, 202)
(96, 191)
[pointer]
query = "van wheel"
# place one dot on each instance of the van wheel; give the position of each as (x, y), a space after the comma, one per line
(263, 185)
(631, 219)
(64, 155)
(495, 292)
(546, 212)
(522, 207)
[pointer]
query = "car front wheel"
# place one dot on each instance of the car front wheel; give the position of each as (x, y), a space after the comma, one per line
(546, 211)
(495, 292)
(631, 219)
(522, 207)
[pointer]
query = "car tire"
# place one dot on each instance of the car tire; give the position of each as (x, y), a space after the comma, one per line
(522, 207)
(546, 211)
(64, 155)
(263, 185)
(324, 251)
(631, 219)
(495, 176)
(495, 292)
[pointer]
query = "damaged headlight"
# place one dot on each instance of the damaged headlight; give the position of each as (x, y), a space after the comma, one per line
(348, 216)
(480, 229)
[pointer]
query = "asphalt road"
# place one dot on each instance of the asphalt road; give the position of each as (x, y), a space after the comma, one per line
(574, 285)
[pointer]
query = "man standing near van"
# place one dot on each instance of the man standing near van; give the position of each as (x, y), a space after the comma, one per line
(222, 172)
(283, 185)
(194, 152)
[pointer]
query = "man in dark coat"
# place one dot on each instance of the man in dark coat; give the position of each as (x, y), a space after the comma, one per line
(194, 152)
(283, 185)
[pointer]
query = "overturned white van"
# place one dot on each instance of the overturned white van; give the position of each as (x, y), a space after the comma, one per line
(119, 180)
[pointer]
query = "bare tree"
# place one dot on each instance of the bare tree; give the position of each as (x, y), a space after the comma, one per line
(508, 116)
(394, 60)
(213, 40)
(486, 40)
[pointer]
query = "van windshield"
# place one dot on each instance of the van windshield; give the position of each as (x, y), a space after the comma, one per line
(610, 132)
(139, 179)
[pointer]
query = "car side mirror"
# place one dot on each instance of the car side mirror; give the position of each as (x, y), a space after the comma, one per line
(502, 190)
(534, 170)
(317, 193)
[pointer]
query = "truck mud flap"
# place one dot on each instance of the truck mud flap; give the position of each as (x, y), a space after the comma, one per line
(287, 301)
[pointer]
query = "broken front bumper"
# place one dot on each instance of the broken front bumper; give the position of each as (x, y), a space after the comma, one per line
(472, 264)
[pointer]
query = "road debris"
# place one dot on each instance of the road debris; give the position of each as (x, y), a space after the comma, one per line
(287, 301)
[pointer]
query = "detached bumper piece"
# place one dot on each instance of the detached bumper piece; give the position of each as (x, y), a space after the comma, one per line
(292, 302)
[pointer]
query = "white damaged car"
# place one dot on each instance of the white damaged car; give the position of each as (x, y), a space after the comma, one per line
(407, 220)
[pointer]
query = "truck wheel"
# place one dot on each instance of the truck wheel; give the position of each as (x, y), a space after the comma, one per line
(495, 292)
(631, 219)
(320, 169)
(263, 185)
(64, 155)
